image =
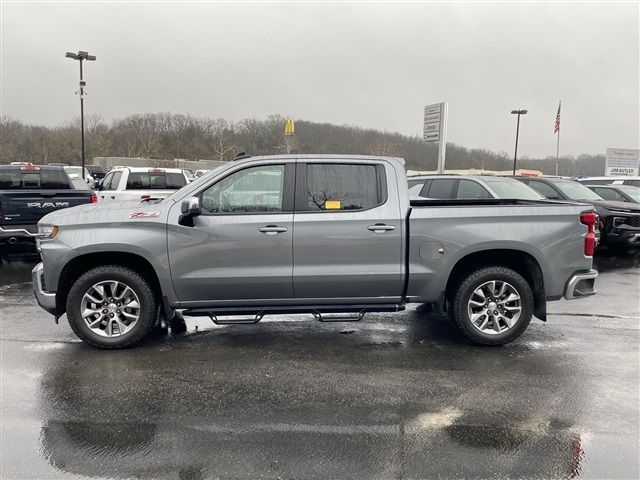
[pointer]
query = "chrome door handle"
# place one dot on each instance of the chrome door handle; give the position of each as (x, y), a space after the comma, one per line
(381, 227)
(272, 229)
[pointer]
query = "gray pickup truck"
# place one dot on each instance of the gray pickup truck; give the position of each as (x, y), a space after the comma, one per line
(334, 236)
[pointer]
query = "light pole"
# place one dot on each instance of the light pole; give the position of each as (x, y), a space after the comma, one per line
(80, 56)
(515, 155)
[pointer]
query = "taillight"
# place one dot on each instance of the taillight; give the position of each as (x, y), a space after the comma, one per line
(29, 168)
(145, 197)
(589, 219)
(94, 198)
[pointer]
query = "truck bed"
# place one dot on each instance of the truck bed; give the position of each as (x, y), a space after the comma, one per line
(441, 232)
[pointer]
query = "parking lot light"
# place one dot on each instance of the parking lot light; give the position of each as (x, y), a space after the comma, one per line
(515, 155)
(80, 56)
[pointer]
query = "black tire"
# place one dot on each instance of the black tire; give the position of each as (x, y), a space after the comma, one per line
(148, 306)
(461, 296)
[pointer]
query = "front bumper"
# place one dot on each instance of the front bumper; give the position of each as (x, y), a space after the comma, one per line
(47, 300)
(581, 284)
(624, 237)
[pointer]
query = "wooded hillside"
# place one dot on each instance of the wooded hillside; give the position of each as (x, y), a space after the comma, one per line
(167, 135)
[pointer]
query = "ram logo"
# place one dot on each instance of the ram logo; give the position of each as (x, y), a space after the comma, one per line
(47, 205)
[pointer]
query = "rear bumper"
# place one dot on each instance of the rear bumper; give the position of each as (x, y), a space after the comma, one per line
(47, 300)
(581, 284)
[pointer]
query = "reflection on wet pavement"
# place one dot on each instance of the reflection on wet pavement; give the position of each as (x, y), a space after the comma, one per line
(395, 396)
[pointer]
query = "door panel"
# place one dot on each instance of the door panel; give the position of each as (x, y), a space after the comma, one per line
(240, 248)
(229, 258)
(338, 252)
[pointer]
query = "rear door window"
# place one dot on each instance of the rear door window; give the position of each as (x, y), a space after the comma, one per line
(342, 186)
(441, 188)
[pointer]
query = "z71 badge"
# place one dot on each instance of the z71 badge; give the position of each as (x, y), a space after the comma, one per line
(144, 215)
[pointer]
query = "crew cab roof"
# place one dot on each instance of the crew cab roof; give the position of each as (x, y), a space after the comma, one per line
(148, 169)
(320, 156)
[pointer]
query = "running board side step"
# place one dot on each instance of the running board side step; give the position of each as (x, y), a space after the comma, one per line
(252, 315)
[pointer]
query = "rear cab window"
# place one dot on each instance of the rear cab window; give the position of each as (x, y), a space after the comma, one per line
(33, 178)
(336, 187)
(155, 180)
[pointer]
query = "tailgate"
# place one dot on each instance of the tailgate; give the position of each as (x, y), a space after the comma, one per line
(29, 206)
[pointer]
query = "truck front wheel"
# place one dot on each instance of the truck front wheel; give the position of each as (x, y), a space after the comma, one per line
(111, 307)
(492, 305)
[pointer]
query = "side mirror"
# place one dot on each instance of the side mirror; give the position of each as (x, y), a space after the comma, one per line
(189, 209)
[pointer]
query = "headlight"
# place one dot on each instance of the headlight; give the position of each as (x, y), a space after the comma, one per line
(47, 231)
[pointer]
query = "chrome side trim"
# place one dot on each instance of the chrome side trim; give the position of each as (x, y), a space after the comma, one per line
(21, 232)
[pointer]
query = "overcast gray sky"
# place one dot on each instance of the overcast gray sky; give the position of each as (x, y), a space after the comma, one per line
(373, 65)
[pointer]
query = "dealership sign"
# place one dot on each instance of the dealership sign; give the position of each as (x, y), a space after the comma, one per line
(622, 162)
(435, 129)
(433, 117)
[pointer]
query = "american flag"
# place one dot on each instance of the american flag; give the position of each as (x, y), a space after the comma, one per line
(557, 128)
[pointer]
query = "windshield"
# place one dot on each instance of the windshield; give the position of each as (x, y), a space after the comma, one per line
(202, 179)
(74, 170)
(511, 188)
(633, 192)
(577, 191)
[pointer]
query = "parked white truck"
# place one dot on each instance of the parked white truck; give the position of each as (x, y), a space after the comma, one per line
(140, 183)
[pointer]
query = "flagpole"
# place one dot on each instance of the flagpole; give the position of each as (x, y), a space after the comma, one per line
(558, 143)
(557, 152)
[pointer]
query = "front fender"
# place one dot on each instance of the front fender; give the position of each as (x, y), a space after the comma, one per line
(150, 243)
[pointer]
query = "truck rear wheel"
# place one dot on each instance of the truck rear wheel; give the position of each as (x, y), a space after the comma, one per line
(111, 307)
(492, 305)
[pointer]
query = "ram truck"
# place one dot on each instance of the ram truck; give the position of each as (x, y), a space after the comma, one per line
(333, 236)
(27, 193)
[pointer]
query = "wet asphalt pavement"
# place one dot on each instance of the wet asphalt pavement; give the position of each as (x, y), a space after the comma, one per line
(394, 396)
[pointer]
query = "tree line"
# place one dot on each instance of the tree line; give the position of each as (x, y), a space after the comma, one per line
(170, 136)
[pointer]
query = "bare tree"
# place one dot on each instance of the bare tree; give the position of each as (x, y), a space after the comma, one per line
(147, 130)
(222, 138)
